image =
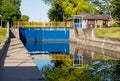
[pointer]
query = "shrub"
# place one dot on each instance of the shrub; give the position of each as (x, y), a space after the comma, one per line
(115, 25)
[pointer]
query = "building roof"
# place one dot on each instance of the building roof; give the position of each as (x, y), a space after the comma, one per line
(92, 16)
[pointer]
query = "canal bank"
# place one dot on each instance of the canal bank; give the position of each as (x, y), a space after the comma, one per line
(87, 37)
(16, 63)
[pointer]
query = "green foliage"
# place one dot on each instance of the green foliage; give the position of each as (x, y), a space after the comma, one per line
(115, 25)
(116, 9)
(0, 5)
(10, 10)
(48, 1)
(24, 18)
(75, 7)
(108, 7)
(90, 72)
(3, 32)
(64, 72)
(10, 13)
(108, 32)
(61, 9)
(103, 6)
(12, 2)
(55, 13)
(99, 56)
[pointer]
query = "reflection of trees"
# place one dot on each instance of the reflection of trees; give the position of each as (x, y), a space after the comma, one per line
(104, 70)
(96, 71)
(57, 62)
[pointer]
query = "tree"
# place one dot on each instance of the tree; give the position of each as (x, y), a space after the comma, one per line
(61, 9)
(108, 7)
(92, 71)
(48, 1)
(12, 2)
(24, 18)
(0, 5)
(10, 10)
(55, 13)
(103, 7)
(75, 7)
(116, 9)
(10, 13)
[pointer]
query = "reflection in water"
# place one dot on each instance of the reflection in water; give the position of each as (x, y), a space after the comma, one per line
(77, 61)
(47, 47)
(59, 57)
(59, 66)
(95, 71)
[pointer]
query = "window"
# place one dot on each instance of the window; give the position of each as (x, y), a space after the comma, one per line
(77, 60)
(90, 22)
(78, 20)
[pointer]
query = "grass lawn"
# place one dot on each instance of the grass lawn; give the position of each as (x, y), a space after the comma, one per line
(108, 32)
(102, 56)
(3, 32)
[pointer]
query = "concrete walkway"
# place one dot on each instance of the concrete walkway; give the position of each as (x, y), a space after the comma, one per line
(17, 65)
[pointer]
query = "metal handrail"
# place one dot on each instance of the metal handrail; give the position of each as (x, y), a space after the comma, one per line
(42, 24)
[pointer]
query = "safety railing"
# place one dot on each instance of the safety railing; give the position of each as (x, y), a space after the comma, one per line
(42, 24)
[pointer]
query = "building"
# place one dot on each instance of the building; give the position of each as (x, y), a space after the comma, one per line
(89, 20)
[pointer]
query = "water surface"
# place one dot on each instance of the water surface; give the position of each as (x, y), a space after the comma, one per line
(65, 61)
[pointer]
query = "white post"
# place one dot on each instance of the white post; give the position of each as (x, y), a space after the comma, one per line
(73, 21)
(79, 21)
(8, 24)
(82, 22)
(1, 20)
(95, 23)
(18, 30)
(7, 28)
(63, 24)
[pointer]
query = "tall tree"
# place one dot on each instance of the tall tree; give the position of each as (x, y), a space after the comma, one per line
(10, 10)
(75, 7)
(61, 9)
(108, 7)
(103, 6)
(0, 5)
(12, 2)
(24, 18)
(116, 9)
(55, 13)
(10, 13)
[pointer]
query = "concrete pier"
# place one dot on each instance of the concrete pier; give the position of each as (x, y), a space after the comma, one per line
(17, 65)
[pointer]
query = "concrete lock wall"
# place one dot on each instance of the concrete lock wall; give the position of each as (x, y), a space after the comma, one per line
(88, 37)
(100, 44)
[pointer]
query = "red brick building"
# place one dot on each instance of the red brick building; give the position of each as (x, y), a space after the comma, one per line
(90, 20)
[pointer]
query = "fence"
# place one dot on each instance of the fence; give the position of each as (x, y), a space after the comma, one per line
(42, 24)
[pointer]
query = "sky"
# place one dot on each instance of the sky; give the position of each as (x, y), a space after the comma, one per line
(35, 9)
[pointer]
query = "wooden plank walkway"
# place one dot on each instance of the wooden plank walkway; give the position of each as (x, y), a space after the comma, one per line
(17, 65)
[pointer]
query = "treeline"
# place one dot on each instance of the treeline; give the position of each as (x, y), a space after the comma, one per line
(10, 11)
(62, 9)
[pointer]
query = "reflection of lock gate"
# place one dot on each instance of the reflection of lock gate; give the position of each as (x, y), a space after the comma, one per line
(60, 57)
